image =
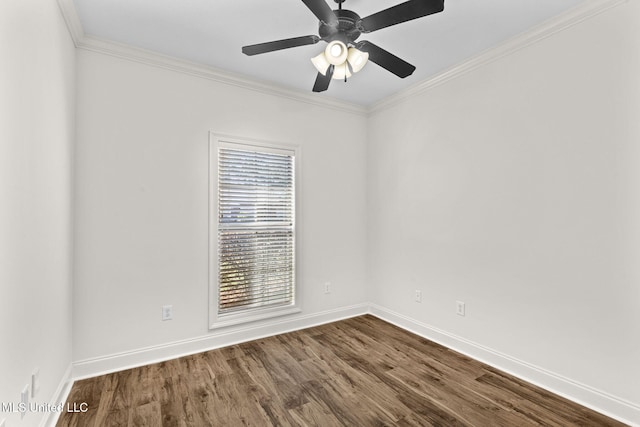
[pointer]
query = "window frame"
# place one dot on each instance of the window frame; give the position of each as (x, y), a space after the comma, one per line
(217, 320)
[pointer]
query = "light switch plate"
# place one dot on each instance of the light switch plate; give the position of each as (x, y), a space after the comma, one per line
(35, 382)
(24, 399)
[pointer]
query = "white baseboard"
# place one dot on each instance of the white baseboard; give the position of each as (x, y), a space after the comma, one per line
(59, 397)
(144, 356)
(611, 406)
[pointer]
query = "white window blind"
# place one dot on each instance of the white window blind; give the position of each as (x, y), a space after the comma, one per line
(256, 243)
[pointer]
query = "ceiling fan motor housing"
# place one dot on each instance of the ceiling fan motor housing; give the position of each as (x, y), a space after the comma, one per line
(346, 29)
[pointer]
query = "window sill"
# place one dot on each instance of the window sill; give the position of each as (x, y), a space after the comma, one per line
(227, 320)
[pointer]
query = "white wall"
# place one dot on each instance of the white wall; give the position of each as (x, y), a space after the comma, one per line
(37, 107)
(142, 203)
(515, 188)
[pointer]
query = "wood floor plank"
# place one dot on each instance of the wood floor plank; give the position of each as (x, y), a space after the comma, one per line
(433, 412)
(356, 372)
(88, 391)
(313, 414)
(469, 407)
(147, 415)
(545, 405)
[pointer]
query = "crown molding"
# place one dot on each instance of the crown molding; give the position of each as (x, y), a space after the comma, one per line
(548, 28)
(123, 51)
(154, 59)
(557, 24)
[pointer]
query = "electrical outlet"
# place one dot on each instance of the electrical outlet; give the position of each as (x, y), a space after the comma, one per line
(327, 287)
(167, 312)
(460, 310)
(24, 400)
(418, 296)
(35, 382)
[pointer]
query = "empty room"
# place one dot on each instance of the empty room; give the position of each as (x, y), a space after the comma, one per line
(319, 213)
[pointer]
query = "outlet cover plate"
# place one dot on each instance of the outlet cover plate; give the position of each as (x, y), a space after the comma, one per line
(417, 296)
(167, 312)
(460, 309)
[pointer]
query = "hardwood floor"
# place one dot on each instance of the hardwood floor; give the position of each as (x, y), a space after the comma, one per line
(356, 372)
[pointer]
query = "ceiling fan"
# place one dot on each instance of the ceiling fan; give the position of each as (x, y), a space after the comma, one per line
(341, 28)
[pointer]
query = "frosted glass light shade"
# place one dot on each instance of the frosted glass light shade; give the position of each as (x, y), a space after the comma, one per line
(336, 52)
(357, 59)
(321, 63)
(341, 71)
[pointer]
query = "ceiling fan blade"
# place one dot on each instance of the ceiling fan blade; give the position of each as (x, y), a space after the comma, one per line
(322, 81)
(398, 14)
(386, 60)
(256, 49)
(323, 12)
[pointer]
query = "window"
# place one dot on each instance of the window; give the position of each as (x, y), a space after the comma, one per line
(254, 230)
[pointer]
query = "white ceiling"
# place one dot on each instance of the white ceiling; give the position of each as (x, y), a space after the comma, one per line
(212, 32)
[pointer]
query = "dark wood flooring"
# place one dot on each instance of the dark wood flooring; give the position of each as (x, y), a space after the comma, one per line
(356, 372)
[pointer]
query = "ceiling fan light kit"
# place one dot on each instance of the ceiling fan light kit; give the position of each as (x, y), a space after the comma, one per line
(346, 60)
(321, 63)
(357, 59)
(341, 72)
(341, 28)
(336, 52)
